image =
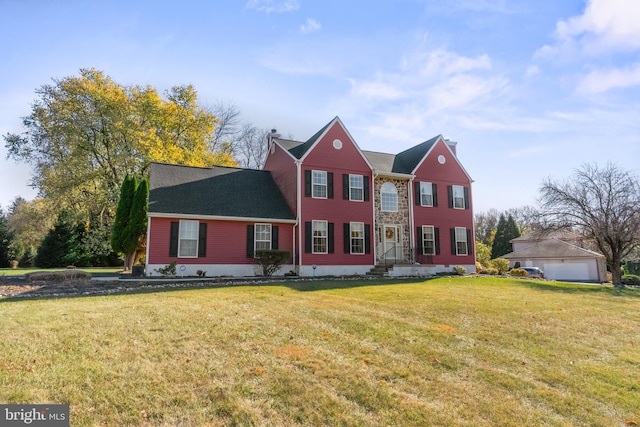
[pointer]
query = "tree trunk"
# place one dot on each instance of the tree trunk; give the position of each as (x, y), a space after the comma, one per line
(616, 274)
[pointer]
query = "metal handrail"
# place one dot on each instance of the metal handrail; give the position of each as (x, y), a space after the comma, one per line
(385, 256)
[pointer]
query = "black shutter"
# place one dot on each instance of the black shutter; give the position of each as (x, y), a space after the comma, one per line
(453, 241)
(173, 238)
(307, 183)
(330, 238)
(347, 238)
(469, 245)
(345, 186)
(436, 236)
(419, 237)
(274, 237)
(434, 191)
(417, 193)
(202, 240)
(367, 239)
(366, 188)
(450, 191)
(466, 197)
(308, 238)
(330, 185)
(250, 241)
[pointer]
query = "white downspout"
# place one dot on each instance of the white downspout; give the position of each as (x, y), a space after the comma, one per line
(412, 237)
(299, 210)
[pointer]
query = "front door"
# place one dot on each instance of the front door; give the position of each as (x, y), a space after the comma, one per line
(392, 246)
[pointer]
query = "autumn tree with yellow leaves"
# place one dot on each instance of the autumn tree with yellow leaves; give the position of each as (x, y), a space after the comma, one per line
(86, 133)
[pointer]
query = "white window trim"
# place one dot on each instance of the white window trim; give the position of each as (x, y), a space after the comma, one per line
(453, 191)
(184, 222)
(466, 243)
(382, 208)
(325, 237)
(314, 185)
(424, 240)
(361, 188)
(255, 236)
(429, 186)
(351, 238)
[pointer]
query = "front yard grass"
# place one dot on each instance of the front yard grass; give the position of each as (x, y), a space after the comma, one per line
(450, 351)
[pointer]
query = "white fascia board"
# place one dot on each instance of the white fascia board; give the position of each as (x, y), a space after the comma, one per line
(221, 218)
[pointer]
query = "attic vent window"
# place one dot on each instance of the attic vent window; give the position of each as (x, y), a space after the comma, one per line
(337, 144)
(442, 159)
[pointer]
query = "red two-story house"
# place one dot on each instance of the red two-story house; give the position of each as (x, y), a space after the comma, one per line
(337, 209)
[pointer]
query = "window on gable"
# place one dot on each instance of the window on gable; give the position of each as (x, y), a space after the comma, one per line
(188, 239)
(262, 239)
(458, 197)
(388, 197)
(357, 237)
(319, 184)
(320, 234)
(461, 241)
(356, 187)
(426, 194)
(428, 240)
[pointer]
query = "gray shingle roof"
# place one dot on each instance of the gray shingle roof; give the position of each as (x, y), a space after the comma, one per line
(552, 248)
(299, 150)
(408, 160)
(216, 191)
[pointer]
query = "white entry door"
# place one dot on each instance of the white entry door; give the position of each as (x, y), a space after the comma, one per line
(392, 246)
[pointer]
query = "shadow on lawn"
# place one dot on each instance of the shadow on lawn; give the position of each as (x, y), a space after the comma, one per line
(580, 288)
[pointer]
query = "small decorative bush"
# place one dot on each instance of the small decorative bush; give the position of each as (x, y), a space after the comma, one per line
(169, 269)
(493, 271)
(271, 261)
(500, 264)
(631, 279)
(518, 272)
(479, 268)
(459, 270)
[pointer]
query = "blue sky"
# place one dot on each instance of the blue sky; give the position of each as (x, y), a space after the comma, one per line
(529, 89)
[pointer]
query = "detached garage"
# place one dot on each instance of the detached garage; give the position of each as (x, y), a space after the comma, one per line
(560, 260)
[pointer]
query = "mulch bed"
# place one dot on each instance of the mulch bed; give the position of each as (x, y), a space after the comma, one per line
(18, 287)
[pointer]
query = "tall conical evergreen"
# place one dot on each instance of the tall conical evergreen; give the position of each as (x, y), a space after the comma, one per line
(506, 231)
(137, 226)
(123, 212)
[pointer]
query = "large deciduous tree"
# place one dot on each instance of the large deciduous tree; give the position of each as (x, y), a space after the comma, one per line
(602, 202)
(86, 133)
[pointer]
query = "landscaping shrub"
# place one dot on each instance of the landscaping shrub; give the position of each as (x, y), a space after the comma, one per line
(493, 271)
(459, 270)
(518, 272)
(271, 261)
(631, 279)
(479, 268)
(500, 264)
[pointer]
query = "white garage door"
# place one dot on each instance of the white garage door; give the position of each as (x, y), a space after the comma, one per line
(568, 271)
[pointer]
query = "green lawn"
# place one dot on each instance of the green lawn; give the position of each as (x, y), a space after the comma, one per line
(446, 352)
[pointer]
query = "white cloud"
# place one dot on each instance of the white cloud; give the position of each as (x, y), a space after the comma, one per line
(276, 6)
(310, 26)
(532, 70)
(605, 26)
(603, 80)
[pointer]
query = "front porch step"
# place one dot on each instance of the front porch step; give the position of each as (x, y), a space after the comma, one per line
(379, 270)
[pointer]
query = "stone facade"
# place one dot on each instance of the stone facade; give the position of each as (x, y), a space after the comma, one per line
(400, 219)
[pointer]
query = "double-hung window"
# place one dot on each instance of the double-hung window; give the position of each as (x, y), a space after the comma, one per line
(388, 197)
(356, 187)
(357, 237)
(461, 241)
(262, 238)
(188, 239)
(428, 240)
(320, 234)
(426, 194)
(319, 184)
(458, 197)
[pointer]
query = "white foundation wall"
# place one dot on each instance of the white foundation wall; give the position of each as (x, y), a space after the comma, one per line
(216, 270)
(334, 270)
(423, 270)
